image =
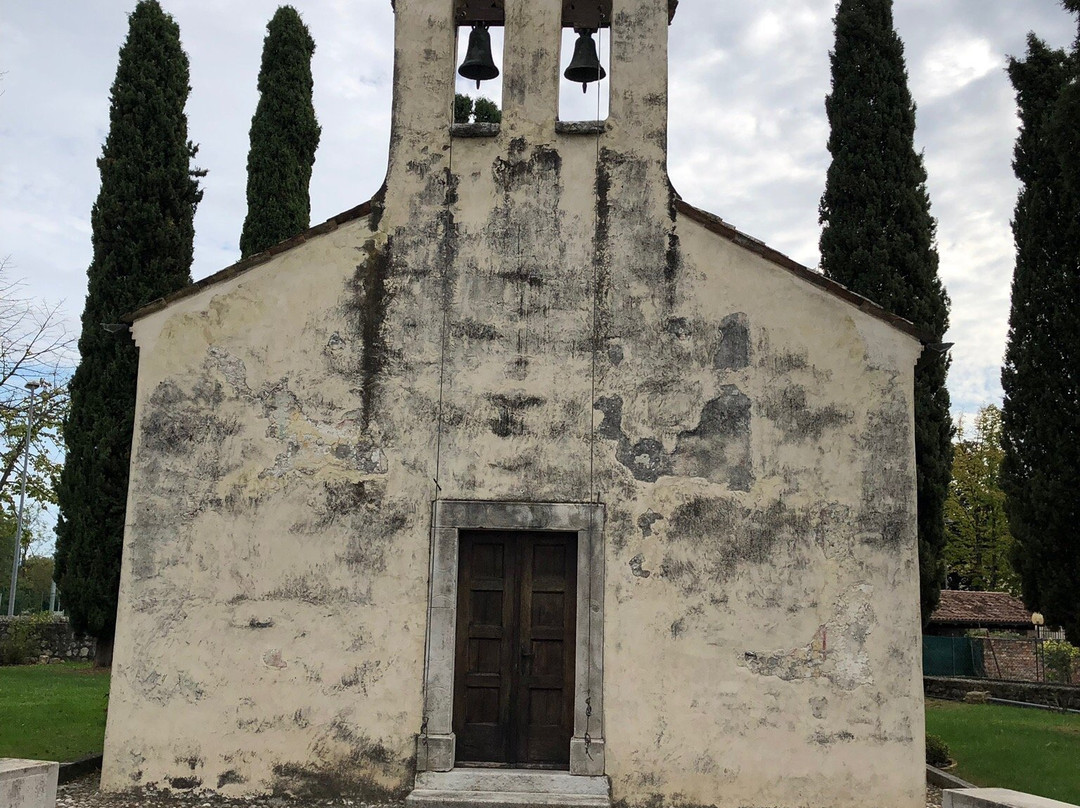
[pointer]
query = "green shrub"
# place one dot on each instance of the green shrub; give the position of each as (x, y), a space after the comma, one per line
(1058, 657)
(937, 751)
(23, 642)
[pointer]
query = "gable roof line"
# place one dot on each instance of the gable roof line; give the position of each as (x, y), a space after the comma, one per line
(710, 222)
(715, 224)
(252, 261)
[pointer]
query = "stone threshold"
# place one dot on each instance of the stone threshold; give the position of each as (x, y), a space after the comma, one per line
(509, 788)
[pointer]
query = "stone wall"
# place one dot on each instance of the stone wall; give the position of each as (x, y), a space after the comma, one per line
(1064, 696)
(56, 642)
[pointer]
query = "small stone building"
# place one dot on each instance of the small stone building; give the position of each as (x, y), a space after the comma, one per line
(524, 476)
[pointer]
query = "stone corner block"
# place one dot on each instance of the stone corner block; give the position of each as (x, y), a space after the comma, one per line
(587, 760)
(435, 753)
(28, 783)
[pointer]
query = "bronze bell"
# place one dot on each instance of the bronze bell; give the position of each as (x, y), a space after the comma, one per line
(478, 63)
(585, 66)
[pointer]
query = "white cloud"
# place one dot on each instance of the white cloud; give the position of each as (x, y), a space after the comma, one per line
(953, 64)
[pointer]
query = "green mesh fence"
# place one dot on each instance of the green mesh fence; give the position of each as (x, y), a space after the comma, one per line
(953, 656)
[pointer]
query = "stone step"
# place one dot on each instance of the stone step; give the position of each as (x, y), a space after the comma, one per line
(508, 788)
(434, 798)
(526, 780)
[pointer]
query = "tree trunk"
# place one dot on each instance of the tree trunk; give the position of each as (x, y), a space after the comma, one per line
(103, 653)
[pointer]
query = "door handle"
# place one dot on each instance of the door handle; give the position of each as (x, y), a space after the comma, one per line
(526, 651)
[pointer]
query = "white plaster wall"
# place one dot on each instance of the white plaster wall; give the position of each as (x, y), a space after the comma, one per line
(762, 645)
(270, 634)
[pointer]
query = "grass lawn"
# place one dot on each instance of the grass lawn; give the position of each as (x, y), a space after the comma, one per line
(996, 745)
(52, 712)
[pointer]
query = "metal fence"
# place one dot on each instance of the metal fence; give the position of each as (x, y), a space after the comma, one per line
(1017, 659)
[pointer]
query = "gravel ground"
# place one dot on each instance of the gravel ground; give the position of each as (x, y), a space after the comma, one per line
(83, 793)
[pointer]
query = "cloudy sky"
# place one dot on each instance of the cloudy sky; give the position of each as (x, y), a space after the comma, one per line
(747, 130)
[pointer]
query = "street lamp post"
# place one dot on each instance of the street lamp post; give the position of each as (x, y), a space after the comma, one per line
(32, 387)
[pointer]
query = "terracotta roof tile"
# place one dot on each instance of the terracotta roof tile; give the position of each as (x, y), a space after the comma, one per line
(985, 609)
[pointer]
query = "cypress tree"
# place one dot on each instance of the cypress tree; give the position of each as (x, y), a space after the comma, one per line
(1041, 375)
(878, 237)
(142, 234)
(284, 137)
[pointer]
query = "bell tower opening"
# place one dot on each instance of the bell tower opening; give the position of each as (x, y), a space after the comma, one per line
(479, 71)
(586, 54)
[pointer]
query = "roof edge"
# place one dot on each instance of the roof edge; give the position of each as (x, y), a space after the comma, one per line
(252, 261)
(721, 228)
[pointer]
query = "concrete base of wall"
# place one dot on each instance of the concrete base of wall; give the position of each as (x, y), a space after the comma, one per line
(996, 798)
(28, 783)
(942, 779)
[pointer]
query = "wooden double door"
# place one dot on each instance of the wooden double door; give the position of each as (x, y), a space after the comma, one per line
(514, 659)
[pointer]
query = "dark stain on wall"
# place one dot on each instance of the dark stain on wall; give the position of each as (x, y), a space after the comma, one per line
(678, 327)
(602, 245)
(177, 423)
(884, 520)
(636, 567)
(787, 407)
(509, 413)
(647, 520)
(230, 777)
(672, 262)
(611, 421)
(184, 783)
(527, 213)
(372, 529)
(723, 536)
(733, 352)
(474, 330)
(660, 801)
(647, 459)
(368, 305)
(718, 448)
(350, 764)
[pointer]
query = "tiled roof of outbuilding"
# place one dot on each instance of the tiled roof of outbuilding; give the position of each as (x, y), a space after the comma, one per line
(984, 609)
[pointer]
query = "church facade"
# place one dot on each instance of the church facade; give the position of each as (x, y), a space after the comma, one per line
(524, 476)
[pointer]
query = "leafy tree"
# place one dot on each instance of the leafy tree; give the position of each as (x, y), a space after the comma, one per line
(142, 234)
(480, 110)
(34, 347)
(284, 137)
(35, 584)
(878, 236)
(463, 108)
(978, 544)
(1041, 374)
(486, 111)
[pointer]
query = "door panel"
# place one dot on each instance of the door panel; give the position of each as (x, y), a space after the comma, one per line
(483, 659)
(514, 676)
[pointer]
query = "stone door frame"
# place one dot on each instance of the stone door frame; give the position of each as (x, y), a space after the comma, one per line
(435, 745)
